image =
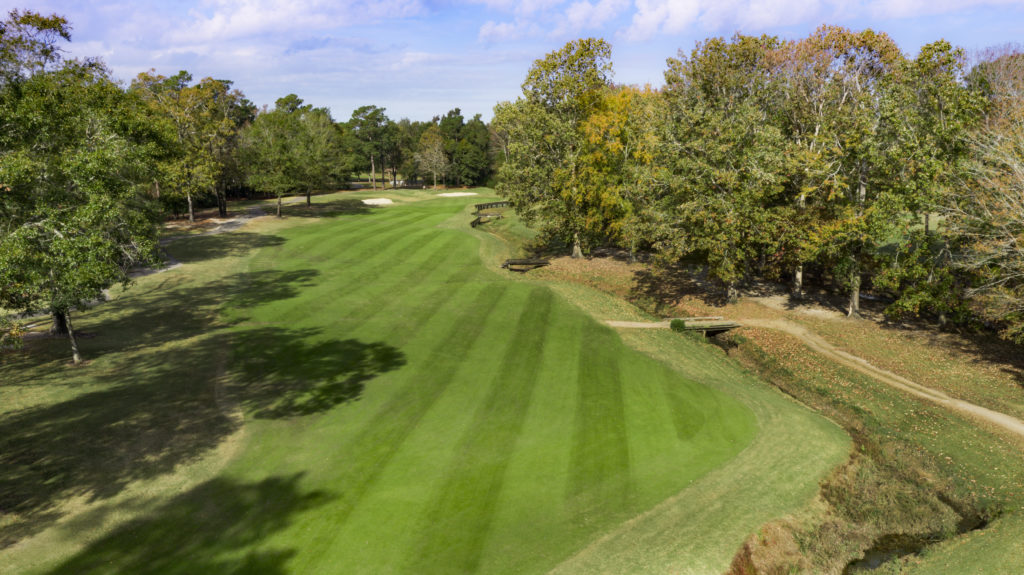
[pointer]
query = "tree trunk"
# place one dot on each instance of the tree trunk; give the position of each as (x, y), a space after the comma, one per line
(60, 323)
(222, 201)
(927, 221)
(191, 214)
(731, 293)
(798, 273)
(279, 205)
(373, 173)
(76, 358)
(309, 201)
(577, 252)
(435, 180)
(854, 310)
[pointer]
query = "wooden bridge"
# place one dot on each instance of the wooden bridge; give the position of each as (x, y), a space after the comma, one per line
(708, 326)
(491, 205)
(525, 264)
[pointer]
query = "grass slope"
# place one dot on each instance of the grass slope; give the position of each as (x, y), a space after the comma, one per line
(406, 410)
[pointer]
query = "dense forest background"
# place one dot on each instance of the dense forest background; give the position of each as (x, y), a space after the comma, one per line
(834, 160)
(835, 157)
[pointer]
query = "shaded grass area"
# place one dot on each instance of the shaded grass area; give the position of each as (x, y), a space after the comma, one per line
(406, 410)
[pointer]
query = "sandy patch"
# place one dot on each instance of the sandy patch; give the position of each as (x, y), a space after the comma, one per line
(377, 201)
(456, 194)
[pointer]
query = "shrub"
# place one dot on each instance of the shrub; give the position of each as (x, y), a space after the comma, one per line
(678, 325)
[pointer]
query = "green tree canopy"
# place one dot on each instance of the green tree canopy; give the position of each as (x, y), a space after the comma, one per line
(74, 157)
(544, 140)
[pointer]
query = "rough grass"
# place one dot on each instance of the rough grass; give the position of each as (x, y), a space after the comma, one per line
(388, 404)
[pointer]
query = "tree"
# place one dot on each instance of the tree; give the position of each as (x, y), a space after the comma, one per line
(292, 147)
(472, 156)
(985, 218)
(620, 169)
(317, 146)
(265, 153)
(409, 134)
(203, 122)
(543, 131)
(932, 115)
(368, 130)
(988, 217)
(76, 152)
(727, 159)
(866, 203)
(432, 157)
(30, 43)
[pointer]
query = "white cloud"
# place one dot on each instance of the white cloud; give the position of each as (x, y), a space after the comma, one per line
(654, 17)
(582, 15)
(492, 31)
(662, 17)
(911, 8)
(521, 7)
(756, 15)
(220, 20)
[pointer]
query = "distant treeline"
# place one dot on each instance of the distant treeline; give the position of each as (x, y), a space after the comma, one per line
(834, 156)
(89, 167)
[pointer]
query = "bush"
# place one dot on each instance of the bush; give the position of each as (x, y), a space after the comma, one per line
(678, 325)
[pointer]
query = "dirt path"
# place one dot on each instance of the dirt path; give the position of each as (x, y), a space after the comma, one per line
(640, 324)
(819, 345)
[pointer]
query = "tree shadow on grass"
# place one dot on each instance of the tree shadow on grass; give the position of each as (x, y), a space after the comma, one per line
(331, 209)
(216, 527)
(284, 376)
(659, 289)
(157, 412)
(208, 247)
(167, 407)
(174, 310)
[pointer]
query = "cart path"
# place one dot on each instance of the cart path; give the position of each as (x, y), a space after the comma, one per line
(819, 345)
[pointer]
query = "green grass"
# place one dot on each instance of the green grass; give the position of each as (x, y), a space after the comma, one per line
(347, 392)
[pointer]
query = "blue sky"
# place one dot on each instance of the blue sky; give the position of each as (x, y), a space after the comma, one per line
(421, 58)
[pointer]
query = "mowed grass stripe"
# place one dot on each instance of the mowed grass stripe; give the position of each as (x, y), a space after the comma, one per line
(343, 285)
(371, 449)
(599, 476)
(533, 522)
(302, 240)
(659, 457)
(352, 233)
(459, 519)
(387, 524)
(682, 398)
(410, 299)
(385, 253)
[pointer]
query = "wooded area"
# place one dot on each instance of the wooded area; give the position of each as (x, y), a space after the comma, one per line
(89, 167)
(835, 156)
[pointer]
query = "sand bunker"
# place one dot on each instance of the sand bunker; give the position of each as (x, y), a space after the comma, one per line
(456, 194)
(377, 201)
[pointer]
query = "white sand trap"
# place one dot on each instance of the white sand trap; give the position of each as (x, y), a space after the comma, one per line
(377, 201)
(456, 194)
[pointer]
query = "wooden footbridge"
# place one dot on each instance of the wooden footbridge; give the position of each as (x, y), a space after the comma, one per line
(708, 326)
(524, 264)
